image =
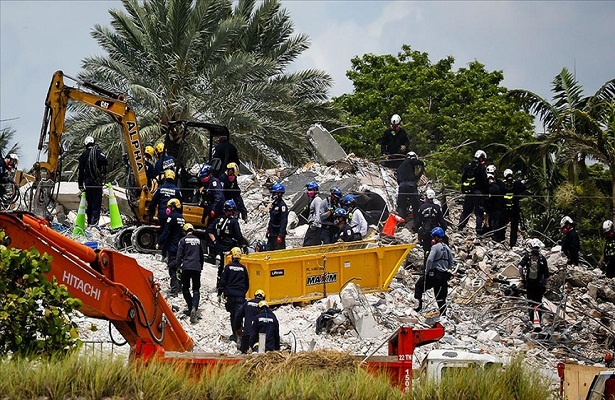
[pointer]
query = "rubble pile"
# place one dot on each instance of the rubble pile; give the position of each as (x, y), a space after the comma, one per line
(487, 308)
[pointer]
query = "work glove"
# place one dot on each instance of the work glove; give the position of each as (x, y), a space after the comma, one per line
(280, 239)
(255, 348)
(212, 214)
(157, 246)
(267, 234)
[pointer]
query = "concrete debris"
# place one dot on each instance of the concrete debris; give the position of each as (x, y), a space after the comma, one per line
(359, 311)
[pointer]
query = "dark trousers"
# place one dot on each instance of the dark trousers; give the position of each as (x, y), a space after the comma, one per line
(534, 295)
(609, 267)
(473, 202)
(93, 196)
(172, 267)
(244, 345)
(326, 234)
(438, 281)
(232, 306)
(192, 299)
(497, 226)
(312, 237)
(513, 216)
(407, 196)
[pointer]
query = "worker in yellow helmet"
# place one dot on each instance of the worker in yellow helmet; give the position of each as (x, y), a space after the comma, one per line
(234, 284)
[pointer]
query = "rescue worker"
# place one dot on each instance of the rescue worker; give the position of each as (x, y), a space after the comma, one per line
(607, 261)
(92, 170)
(329, 205)
(428, 217)
(225, 151)
(265, 322)
(570, 242)
(513, 190)
(493, 209)
(190, 258)
(225, 234)
(534, 273)
(312, 235)
(234, 284)
(148, 154)
(231, 190)
(474, 186)
(212, 196)
(245, 317)
(395, 139)
(343, 231)
(438, 271)
(7, 164)
(278, 219)
(408, 174)
(169, 241)
(161, 197)
(164, 162)
(356, 219)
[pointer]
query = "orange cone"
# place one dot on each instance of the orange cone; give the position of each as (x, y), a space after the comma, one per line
(391, 223)
(536, 321)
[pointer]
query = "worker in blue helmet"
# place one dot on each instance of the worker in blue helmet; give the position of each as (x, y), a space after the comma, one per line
(278, 219)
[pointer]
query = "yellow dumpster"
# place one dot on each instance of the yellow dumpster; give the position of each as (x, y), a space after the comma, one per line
(314, 272)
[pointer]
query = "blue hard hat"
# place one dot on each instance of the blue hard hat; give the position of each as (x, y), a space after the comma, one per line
(205, 170)
(337, 192)
(312, 185)
(278, 188)
(437, 231)
(230, 205)
(340, 212)
(349, 199)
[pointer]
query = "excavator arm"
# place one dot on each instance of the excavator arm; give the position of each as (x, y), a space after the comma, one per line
(112, 104)
(110, 285)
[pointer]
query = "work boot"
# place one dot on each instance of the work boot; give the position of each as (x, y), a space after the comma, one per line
(420, 306)
(233, 338)
(193, 317)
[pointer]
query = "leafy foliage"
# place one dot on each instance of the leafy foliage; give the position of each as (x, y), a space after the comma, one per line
(34, 313)
(6, 136)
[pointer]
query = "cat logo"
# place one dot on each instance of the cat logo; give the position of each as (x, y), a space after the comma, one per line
(104, 104)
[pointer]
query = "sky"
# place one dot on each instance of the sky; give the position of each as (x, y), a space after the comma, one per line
(530, 41)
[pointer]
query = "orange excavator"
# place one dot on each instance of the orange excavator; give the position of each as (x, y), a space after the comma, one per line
(114, 287)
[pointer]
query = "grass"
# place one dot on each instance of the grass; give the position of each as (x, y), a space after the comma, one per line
(271, 376)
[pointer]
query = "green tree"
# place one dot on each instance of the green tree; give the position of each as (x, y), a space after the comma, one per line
(212, 60)
(34, 313)
(448, 114)
(6, 136)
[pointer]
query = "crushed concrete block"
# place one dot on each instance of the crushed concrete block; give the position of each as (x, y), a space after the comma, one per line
(487, 336)
(359, 311)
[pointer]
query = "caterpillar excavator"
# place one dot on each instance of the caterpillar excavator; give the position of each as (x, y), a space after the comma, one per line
(114, 287)
(47, 174)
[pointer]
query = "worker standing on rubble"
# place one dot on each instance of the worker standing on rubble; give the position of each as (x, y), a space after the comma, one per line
(7, 164)
(474, 186)
(231, 189)
(164, 162)
(534, 273)
(225, 151)
(356, 219)
(265, 322)
(245, 317)
(91, 177)
(312, 235)
(148, 154)
(493, 208)
(513, 190)
(607, 261)
(343, 231)
(395, 139)
(570, 242)
(278, 219)
(212, 196)
(408, 175)
(225, 234)
(329, 205)
(428, 217)
(233, 286)
(438, 271)
(190, 258)
(169, 241)
(162, 195)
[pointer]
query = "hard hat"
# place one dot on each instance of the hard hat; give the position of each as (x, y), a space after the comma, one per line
(188, 227)
(312, 186)
(565, 220)
(169, 174)
(236, 253)
(411, 154)
(262, 303)
(480, 154)
(491, 169)
(89, 140)
(535, 243)
(14, 157)
(507, 173)
(229, 205)
(159, 148)
(205, 170)
(149, 150)
(340, 212)
(174, 203)
(234, 167)
(336, 192)
(607, 225)
(430, 194)
(259, 293)
(437, 231)
(395, 119)
(349, 199)
(278, 188)
(491, 176)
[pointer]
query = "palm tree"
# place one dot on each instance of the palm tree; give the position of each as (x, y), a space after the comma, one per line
(6, 136)
(207, 60)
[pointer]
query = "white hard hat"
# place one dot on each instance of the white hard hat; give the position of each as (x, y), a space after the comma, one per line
(535, 243)
(507, 173)
(430, 194)
(479, 154)
(395, 119)
(411, 154)
(607, 225)
(491, 169)
(14, 157)
(88, 140)
(565, 220)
